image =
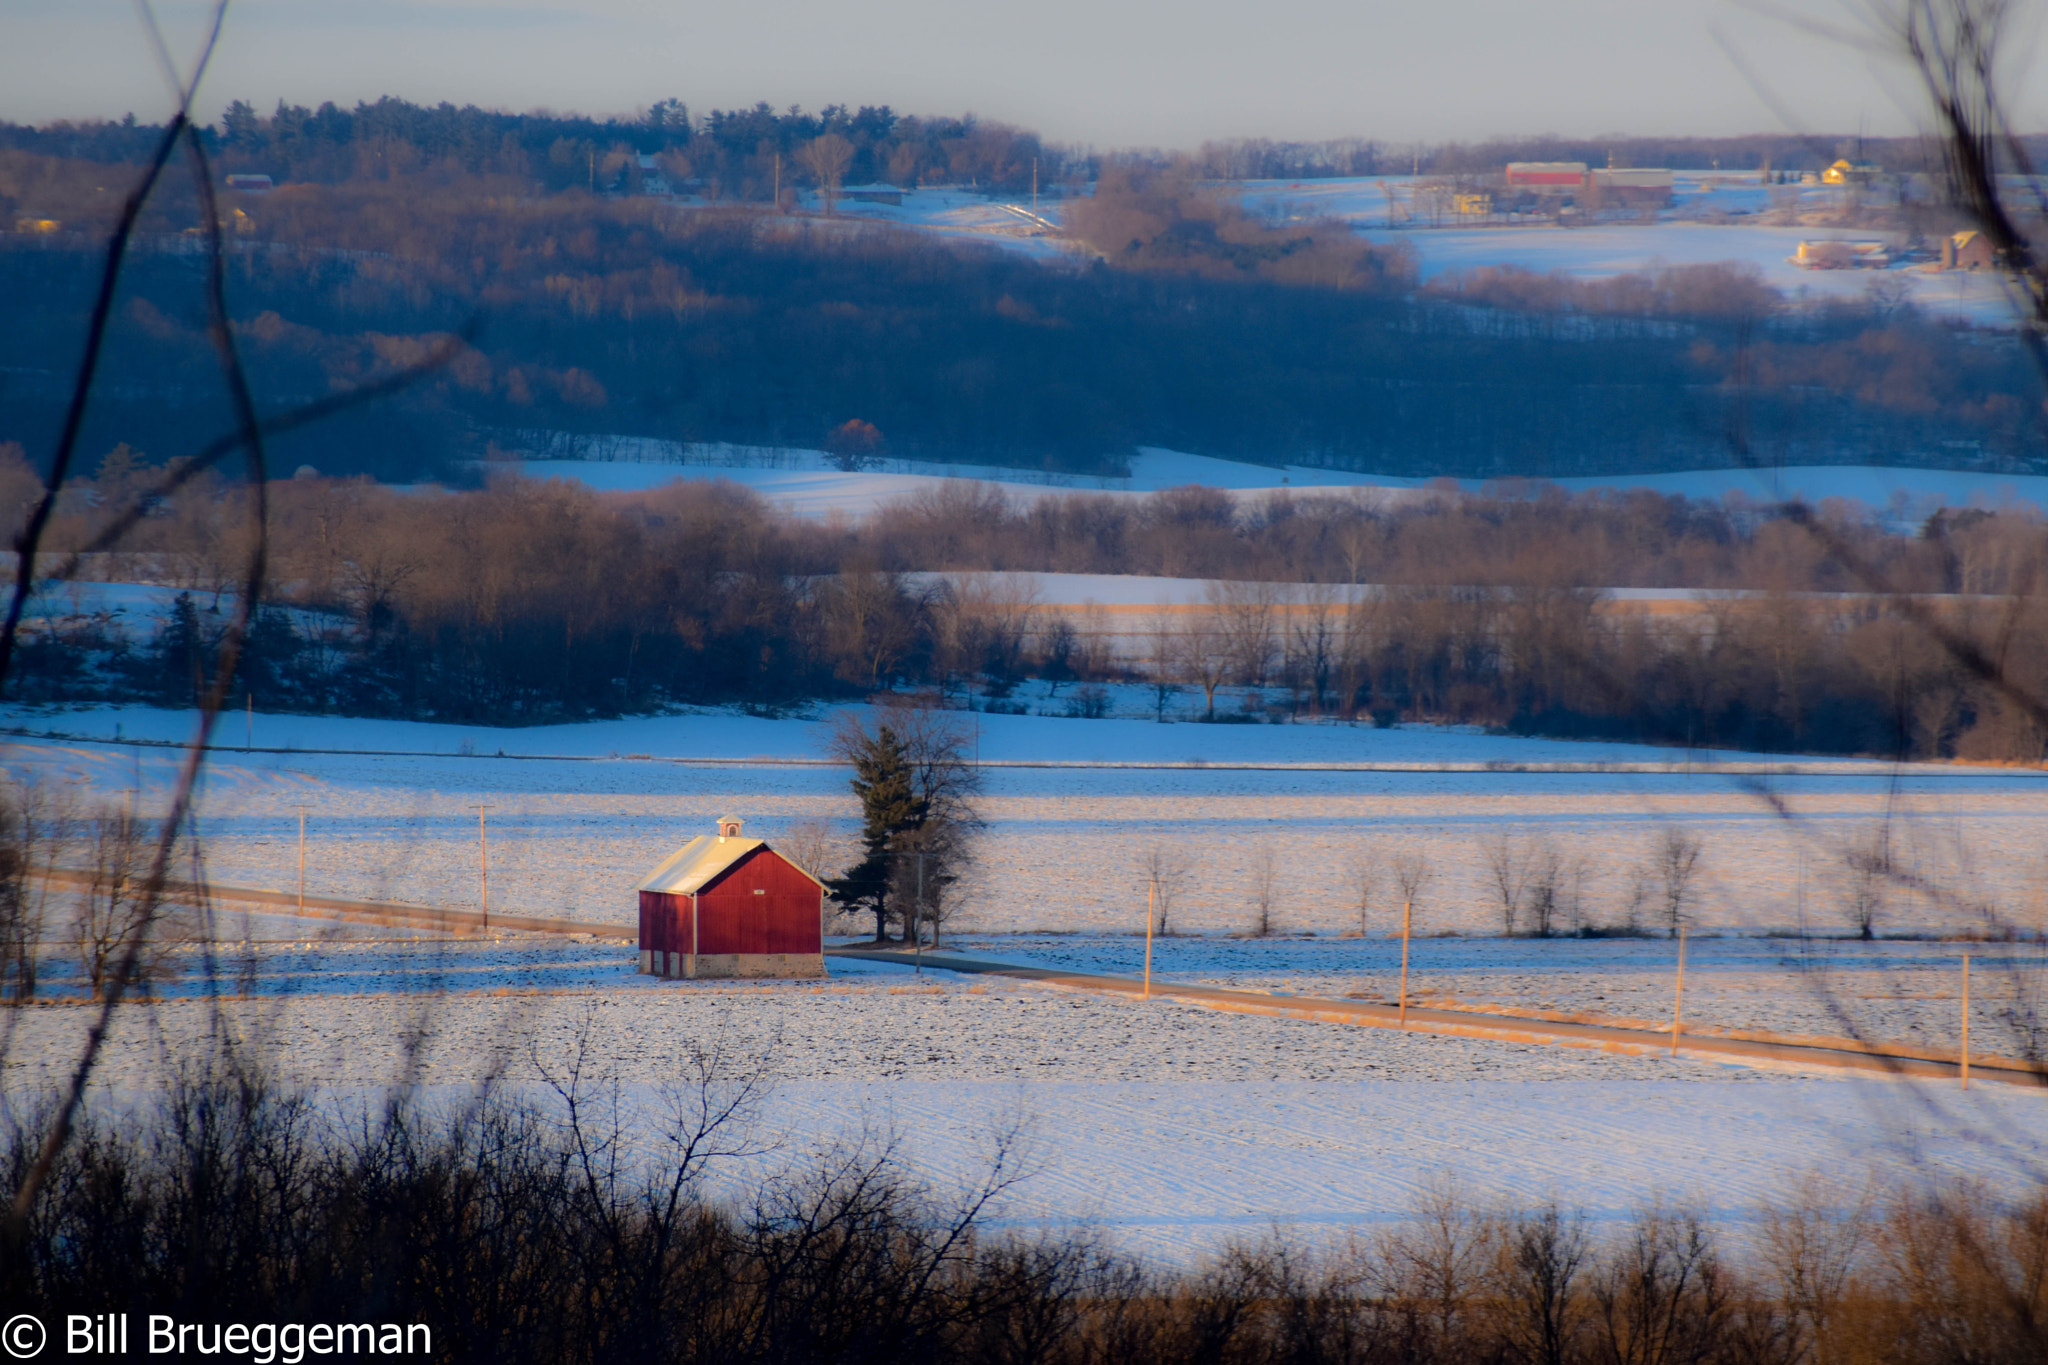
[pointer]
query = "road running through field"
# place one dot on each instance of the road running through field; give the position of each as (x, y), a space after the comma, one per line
(1754, 1048)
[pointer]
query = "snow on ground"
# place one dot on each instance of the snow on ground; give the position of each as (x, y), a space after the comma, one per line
(1906, 495)
(955, 212)
(1364, 200)
(1704, 226)
(1169, 1128)
(571, 836)
(806, 485)
(1609, 249)
(1823, 987)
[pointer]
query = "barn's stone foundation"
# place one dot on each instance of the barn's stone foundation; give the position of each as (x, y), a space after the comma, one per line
(716, 965)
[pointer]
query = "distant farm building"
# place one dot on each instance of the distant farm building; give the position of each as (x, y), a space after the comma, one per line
(1547, 177)
(1969, 250)
(33, 226)
(1835, 254)
(1846, 172)
(723, 905)
(251, 184)
(872, 194)
(1643, 188)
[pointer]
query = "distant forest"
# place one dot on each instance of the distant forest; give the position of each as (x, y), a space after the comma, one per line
(724, 155)
(730, 153)
(526, 602)
(1192, 325)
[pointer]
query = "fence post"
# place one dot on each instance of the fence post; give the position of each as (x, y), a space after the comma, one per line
(1678, 1001)
(1966, 1021)
(1151, 888)
(1407, 906)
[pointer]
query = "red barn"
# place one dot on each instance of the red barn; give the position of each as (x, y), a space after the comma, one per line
(1547, 177)
(722, 905)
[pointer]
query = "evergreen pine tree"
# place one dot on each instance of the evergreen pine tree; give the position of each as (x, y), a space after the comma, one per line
(889, 804)
(180, 655)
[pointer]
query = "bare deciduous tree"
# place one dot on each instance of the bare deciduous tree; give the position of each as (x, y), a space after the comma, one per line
(1963, 53)
(1413, 873)
(1677, 859)
(980, 625)
(827, 158)
(811, 845)
(1202, 653)
(118, 907)
(1166, 872)
(1441, 1256)
(1164, 641)
(1364, 869)
(1265, 875)
(1554, 888)
(1664, 1293)
(1315, 647)
(1867, 875)
(1242, 614)
(1539, 1259)
(1815, 1238)
(931, 861)
(34, 829)
(1507, 868)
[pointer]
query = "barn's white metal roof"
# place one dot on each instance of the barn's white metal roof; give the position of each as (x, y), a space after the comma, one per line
(697, 862)
(686, 870)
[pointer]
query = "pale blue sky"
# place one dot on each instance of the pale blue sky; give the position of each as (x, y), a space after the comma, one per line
(1107, 72)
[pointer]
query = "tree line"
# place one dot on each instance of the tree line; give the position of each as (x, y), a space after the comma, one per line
(545, 1229)
(723, 146)
(528, 601)
(727, 154)
(1203, 329)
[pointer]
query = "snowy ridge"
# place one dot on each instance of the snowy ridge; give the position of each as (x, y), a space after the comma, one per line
(809, 487)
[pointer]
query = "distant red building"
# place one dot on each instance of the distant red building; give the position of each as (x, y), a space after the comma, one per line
(722, 905)
(1547, 177)
(1969, 250)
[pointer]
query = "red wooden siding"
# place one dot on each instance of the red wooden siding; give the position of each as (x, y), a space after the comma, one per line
(664, 923)
(782, 918)
(786, 917)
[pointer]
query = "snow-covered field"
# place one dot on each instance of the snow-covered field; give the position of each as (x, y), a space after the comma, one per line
(1610, 249)
(1714, 217)
(803, 482)
(1073, 806)
(1170, 1126)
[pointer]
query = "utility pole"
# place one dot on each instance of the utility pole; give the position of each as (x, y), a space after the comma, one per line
(917, 913)
(483, 864)
(1678, 1002)
(1966, 1021)
(778, 182)
(1151, 889)
(302, 861)
(250, 741)
(1034, 187)
(1407, 909)
(593, 170)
